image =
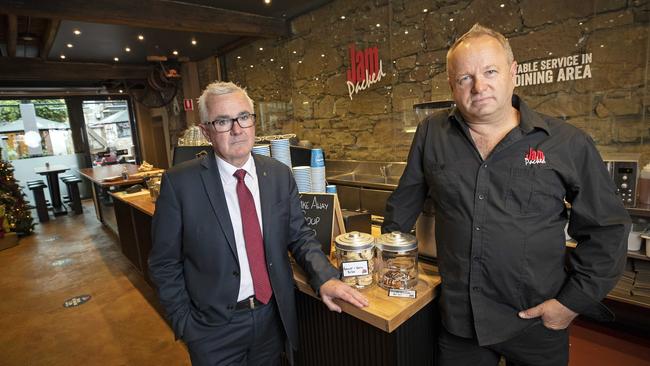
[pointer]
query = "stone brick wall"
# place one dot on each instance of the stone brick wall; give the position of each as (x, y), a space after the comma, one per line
(299, 82)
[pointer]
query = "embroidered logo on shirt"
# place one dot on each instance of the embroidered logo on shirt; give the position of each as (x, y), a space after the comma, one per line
(534, 157)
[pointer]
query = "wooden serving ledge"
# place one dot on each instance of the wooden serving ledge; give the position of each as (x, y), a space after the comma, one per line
(383, 312)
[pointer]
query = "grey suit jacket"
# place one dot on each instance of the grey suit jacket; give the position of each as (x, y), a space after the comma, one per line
(193, 261)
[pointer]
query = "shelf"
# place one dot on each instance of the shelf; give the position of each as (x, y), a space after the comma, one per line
(633, 300)
(637, 254)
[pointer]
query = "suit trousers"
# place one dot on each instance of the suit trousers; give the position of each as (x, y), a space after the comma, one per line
(536, 345)
(252, 337)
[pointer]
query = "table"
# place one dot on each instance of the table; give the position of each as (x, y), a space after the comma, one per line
(51, 173)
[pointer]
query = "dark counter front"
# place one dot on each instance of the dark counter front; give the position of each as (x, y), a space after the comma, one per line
(391, 331)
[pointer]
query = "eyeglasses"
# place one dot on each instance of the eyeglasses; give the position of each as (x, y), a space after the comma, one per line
(246, 120)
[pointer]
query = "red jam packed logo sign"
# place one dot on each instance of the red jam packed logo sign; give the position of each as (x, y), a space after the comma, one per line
(534, 157)
(365, 69)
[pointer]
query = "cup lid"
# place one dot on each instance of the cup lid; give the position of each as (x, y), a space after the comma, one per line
(397, 242)
(354, 240)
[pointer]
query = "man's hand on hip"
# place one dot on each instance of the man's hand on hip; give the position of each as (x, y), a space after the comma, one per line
(335, 289)
(554, 315)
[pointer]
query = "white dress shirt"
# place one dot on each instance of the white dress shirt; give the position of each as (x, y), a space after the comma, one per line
(229, 183)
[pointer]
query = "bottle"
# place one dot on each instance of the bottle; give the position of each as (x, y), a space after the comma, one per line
(644, 185)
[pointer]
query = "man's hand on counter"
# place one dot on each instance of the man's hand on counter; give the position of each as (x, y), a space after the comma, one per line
(554, 315)
(335, 289)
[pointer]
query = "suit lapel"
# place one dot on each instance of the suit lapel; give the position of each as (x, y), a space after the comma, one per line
(214, 190)
(266, 194)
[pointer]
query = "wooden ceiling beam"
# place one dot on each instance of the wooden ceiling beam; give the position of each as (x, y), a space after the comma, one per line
(31, 69)
(48, 38)
(12, 34)
(160, 14)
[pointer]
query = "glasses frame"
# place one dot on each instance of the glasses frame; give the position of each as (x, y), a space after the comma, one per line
(232, 122)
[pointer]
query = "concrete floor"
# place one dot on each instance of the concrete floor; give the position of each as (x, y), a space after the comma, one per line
(67, 257)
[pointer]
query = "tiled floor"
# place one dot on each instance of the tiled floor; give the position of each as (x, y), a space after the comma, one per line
(70, 256)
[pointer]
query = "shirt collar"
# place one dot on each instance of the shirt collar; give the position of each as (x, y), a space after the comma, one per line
(227, 170)
(528, 119)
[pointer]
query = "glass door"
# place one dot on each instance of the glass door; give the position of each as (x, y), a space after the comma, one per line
(109, 131)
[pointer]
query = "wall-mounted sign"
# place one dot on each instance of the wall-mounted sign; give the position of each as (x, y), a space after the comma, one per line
(554, 70)
(365, 69)
(188, 104)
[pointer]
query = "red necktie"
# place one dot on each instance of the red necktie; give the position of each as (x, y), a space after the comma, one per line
(253, 239)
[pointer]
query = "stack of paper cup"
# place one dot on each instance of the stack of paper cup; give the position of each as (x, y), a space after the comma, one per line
(317, 171)
(280, 151)
(262, 150)
(302, 175)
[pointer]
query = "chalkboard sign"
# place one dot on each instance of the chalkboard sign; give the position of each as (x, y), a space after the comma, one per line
(319, 210)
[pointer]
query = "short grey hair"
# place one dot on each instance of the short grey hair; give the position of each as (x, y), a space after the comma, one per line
(478, 30)
(219, 88)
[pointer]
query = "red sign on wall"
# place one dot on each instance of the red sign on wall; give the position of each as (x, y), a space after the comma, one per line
(188, 104)
(365, 69)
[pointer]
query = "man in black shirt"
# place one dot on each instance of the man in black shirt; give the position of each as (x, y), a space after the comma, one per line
(499, 174)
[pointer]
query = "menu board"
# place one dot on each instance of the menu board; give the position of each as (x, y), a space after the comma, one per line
(319, 210)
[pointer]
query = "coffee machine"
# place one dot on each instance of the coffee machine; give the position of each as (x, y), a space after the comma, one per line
(623, 168)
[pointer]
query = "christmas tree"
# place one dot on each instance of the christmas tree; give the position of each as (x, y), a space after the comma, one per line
(17, 213)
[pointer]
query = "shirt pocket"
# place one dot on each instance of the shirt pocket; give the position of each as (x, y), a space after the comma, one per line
(443, 187)
(535, 191)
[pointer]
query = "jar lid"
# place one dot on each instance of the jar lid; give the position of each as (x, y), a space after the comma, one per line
(397, 242)
(354, 240)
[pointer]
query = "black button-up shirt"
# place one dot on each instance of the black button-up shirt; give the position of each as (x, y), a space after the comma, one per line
(500, 221)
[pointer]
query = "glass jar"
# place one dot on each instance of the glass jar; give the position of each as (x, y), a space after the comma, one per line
(397, 261)
(355, 253)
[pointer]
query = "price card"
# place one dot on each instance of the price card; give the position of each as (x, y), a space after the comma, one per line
(409, 294)
(354, 268)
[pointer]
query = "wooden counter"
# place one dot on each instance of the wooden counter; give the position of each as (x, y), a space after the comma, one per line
(105, 179)
(101, 175)
(389, 332)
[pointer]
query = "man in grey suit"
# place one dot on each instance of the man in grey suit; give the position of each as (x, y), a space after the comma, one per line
(221, 231)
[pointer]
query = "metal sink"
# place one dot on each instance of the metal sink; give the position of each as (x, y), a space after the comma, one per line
(366, 180)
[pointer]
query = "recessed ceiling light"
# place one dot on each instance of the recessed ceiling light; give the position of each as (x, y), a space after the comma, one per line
(425, 10)
(261, 48)
(267, 2)
(299, 61)
(175, 52)
(378, 25)
(252, 66)
(343, 17)
(76, 32)
(602, 45)
(121, 91)
(193, 42)
(294, 52)
(70, 45)
(451, 19)
(116, 59)
(62, 57)
(322, 55)
(406, 32)
(503, 5)
(281, 67)
(141, 37)
(271, 60)
(127, 49)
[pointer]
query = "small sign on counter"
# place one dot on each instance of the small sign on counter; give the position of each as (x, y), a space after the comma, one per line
(355, 268)
(409, 294)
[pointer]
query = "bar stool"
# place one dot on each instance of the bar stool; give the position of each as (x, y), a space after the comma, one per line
(74, 198)
(37, 187)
